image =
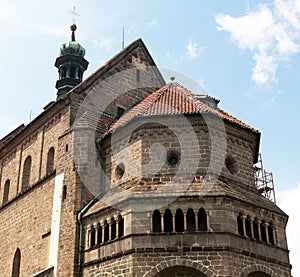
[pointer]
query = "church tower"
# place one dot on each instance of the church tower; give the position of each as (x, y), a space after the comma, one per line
(71, 65)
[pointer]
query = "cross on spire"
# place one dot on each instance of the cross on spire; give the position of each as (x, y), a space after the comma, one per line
(74, 13)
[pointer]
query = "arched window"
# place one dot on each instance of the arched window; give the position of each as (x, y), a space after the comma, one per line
(168, 222)
(99, 234)
(93, 237)
(50, 161)
(72, 72)
(121, 227)
(190, 218)
(202, 220)
(6, 192)
(156, 221)
(16, 264)
(256, 229)
(63, 73)
(248, 227)
(26, 173)
(271, 233)
(179, 221)
(113, 229)
(240, 224)
(106, 231)
(263, 231)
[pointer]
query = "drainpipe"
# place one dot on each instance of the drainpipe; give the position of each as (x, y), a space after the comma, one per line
(83, 211)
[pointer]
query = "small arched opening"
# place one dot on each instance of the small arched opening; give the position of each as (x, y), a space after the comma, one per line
(190, 218)
(16, 264)
(26, 173)
(202, 220)
(113, 229)
(156, 221)
(106, 231)
(240, 225)
(6, 192)
(168, 224)
(179, 221)
(50, 161)
(121, 227)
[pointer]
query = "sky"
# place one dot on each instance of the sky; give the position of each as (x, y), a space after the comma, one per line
(245, 53)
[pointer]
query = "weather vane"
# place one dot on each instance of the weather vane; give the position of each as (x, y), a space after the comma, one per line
(74, 13)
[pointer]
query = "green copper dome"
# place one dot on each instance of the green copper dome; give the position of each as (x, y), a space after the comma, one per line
(72, 47)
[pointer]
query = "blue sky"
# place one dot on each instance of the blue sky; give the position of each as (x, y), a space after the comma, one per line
(245, 53)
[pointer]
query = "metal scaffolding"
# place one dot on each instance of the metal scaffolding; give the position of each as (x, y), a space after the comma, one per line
(264, 180)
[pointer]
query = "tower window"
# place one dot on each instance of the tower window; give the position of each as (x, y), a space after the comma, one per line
(93, 237)
(168, 223)
(106, 231)
(248, 227)
(16, 264)
(113, 229)
(26, 173)
(121, 227)
(120, 170)
(179, 221)
(263, 231)
(50, 161)
(72, 72)
(202, 220)
(190, 218)
(231, 164)
(6, 192)
(271, 233)
(240, 224)
(255, 229)
(99, 235)
(156, 221)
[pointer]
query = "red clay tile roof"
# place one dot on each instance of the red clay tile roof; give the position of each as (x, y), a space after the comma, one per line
(172, 99)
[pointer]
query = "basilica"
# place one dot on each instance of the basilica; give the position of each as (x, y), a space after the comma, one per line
(126, 175)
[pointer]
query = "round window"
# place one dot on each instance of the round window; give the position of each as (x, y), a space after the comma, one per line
(120, 170)
(173, 158)
(231, 164)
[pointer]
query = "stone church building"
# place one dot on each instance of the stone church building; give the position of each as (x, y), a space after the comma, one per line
(127, 175)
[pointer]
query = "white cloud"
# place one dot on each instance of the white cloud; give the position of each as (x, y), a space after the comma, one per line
(288, 201)
(153, 23)
(271, 33)
(105, 43)
(193, 50)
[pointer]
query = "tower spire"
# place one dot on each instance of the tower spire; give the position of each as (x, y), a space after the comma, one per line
(71, 65)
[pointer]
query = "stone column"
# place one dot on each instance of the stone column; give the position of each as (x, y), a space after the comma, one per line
(117, 218)
(267, 231)
(207, 220)
(150, 222)
(251, 225)
(274, 235)
(109, 228)
(258, 227)
(243, 217)
(173, 221)
(184, 222)
(162, 222)
(96, 232)
(88, 236)
(103, 226)
(196, 221)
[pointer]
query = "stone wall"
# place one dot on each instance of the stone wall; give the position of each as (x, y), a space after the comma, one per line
(210, 262)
